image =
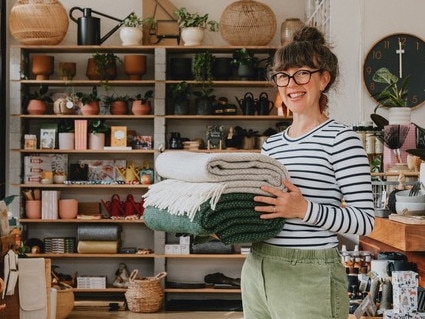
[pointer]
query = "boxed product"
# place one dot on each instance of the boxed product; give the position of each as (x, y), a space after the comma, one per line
(389, 314)
(36, 165)
(100, 170)
(405, 291)
(86, 282)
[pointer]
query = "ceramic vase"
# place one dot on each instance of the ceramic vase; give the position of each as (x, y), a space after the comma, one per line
(139, 108)
(42, 66)
(399, 115)
(68, 208)
(192, 36)
(96, 141)
(245, 72)
(288, 28)
(67, 70)
(131, 36)
(66, 140)
(36, 107)
(135, 66)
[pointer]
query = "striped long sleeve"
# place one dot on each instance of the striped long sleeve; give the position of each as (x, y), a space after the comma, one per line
(328, 165)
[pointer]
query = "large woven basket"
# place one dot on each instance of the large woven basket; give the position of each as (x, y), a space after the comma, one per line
(247, 22)
(64, 302)
(38, 22)
(145, 294)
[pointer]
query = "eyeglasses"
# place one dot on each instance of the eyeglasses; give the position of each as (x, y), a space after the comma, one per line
(300, 77)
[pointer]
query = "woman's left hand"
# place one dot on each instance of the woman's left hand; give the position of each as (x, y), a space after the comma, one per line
(290, 204)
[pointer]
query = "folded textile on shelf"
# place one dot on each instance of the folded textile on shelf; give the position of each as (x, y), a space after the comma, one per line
(233, 220)
(99, 232)
(98, 246)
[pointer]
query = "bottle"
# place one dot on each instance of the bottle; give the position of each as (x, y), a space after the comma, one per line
(370, 142)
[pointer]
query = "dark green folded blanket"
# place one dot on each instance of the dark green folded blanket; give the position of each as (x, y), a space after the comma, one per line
(233, 220)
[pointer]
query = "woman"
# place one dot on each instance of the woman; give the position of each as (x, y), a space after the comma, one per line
(299, 274)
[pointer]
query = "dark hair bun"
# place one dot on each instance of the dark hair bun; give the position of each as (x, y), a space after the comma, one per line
(309, 34)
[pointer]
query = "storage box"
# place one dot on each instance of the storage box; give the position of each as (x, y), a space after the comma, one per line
(405, 292)
(86, 282)
(389, 314)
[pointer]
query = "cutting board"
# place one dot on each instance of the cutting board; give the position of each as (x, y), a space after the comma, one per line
(411, 220)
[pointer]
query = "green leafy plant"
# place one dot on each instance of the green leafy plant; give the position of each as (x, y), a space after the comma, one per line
(391, 95)
(205, 92)
(179, 92)
(104, 64)
(245, 57)
(66, 126)
(98, 126)
(41, 94)
(202, 65)
(134, 21)
(109, 99)
(143, 97)
(86, 98)
(186, 19)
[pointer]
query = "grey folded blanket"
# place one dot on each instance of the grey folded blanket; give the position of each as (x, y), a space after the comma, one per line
(99, 232)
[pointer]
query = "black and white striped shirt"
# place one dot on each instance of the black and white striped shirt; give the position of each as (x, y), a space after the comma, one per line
(328, 165)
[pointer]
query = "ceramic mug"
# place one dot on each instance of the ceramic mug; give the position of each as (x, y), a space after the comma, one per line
(68, 208)
(33, 209)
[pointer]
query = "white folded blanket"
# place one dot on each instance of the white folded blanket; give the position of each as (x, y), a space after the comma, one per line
(193, 178)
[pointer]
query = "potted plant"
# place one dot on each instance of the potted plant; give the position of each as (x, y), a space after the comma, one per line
(202, 66)
(66, 134)
(131, 32)
(245, 62)
(97, 129)
(89, 102)
(392, 96)
(102, 66)
(204, 100)
(141, 104)
(117, 104)
(193, 26)
(179, 94)
(38, 100)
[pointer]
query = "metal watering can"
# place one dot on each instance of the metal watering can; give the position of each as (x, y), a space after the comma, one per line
(264, 106)
(88, 32)
(247, 104)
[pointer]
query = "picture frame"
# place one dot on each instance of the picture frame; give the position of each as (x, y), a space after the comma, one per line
(47, 138)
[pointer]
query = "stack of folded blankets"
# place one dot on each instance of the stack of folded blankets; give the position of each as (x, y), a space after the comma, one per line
(207, 194)
(99, 239)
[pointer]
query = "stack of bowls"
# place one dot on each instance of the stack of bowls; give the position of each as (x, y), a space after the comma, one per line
(410, 205)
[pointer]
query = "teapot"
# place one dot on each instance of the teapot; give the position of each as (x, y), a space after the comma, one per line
(88, 27)
(247, 104)
(264, 106)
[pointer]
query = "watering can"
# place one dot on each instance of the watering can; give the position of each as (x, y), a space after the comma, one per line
(130, 173)
(88, 27)
(264, 106)
(247, 104)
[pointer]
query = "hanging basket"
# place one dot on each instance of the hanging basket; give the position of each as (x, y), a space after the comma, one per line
(247, 22)
(145, 294)
(38, 22)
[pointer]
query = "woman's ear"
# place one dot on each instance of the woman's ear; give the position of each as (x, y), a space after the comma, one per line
(325, 79)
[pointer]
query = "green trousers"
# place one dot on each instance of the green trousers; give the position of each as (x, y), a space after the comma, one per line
(282, 283)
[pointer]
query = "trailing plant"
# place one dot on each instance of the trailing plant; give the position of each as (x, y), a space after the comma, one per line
(202, 66)
(205, 92)
(104, 62)
(97, 126)
(143, 98)
(179, 92)
(186, 19)
(245, 57)
(86, 98)
(391, 95)
(134, 21)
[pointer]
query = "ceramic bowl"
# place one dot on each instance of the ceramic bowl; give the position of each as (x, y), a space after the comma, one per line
(403, 196)
(410, 208)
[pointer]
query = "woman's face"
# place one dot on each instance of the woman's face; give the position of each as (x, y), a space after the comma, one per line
(302, 94)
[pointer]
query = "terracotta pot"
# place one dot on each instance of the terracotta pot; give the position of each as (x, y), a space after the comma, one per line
(33, 209)
(36, 107)
(135, 66)
(93, 74)
(68, 208)
(119, 108)
(91, 108)
(67, 70)
(42, 66)
(138, 108)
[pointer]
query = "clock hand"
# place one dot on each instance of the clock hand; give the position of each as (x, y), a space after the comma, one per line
(400, 52)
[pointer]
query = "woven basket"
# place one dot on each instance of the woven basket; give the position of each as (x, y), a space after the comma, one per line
(38, 22)
(64, 303)
(247, 22)
(145, 294)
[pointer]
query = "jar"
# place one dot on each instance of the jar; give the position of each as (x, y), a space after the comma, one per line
(288, 28)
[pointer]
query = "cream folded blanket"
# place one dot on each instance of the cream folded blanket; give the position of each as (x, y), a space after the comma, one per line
(193, 178)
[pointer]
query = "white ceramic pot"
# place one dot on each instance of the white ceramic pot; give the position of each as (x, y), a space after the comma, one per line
(96, 141)
(66, 141)
(399, 115)
(192, 36)
(131, 36)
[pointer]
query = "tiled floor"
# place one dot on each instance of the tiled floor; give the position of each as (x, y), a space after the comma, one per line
(158, 315)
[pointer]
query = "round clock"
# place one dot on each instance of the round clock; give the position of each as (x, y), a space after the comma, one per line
(404, 55)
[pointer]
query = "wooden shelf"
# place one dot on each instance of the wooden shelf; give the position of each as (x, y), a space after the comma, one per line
(109, 186)
(49, 255)
(80, 221)
(203, 256)
(204, 290)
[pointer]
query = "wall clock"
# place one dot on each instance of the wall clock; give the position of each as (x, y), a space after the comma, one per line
(404, 55)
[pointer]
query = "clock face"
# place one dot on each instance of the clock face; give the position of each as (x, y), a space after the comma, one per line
(404, 55)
